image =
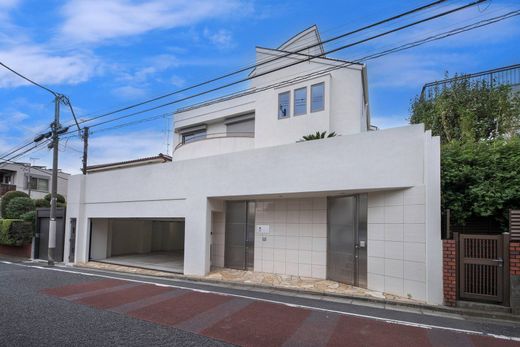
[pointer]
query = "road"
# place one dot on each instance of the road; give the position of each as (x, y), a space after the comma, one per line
(70, 306)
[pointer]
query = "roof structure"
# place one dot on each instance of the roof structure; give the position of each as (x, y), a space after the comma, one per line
(158, 159)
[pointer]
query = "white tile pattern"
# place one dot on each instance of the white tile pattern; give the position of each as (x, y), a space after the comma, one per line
(396, 242)
(297, 242)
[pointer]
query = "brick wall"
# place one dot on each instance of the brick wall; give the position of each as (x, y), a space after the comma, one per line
(514, 258)
(449, 272)
(15, 251)
(514, 269)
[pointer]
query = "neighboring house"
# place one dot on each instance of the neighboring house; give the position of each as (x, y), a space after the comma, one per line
(33, 180)
(243, 191)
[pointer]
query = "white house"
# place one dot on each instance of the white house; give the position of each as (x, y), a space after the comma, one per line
(243, 191)
(33, 180)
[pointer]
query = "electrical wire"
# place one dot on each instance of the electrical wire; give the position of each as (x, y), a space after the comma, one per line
(254, 66)
(365, 58)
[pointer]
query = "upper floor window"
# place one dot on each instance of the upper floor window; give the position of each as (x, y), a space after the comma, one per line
(194, 136)
(318, 97)
(284, 105)
(300, 101)
(40, 184)
(241, 126)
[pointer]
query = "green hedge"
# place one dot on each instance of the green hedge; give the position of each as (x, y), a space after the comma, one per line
(60, 199)
(7, 197)
(17, 207)
(41, 203)
(15, 232)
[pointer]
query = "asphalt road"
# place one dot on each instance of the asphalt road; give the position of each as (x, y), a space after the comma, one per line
(63, 306)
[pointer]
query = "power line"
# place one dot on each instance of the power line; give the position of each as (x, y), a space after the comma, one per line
(287, 66)
(418, 9)
(28, 79)
(365, 58)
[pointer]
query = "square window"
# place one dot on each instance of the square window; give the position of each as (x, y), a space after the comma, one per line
(284, 105)
(318, 97)
(300, 101)
(194, 136)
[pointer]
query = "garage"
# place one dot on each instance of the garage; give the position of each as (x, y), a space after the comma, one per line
(156, 244)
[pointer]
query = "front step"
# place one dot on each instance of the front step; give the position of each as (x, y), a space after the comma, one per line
(479, 306)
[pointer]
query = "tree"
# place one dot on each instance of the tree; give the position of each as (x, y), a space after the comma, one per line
(468, 111)
(481, 179)
(318, 135)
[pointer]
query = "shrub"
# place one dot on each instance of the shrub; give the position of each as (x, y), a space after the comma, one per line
(15, 232)
(29, 217)
(41, 203)
(7, 197)
(18, 206)
(59, 198)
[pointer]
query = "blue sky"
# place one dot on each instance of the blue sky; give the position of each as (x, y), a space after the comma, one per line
(111, 53)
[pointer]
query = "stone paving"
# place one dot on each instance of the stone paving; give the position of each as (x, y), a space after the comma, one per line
(260, 279)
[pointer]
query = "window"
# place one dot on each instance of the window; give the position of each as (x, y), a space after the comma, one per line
(318, 97)
(300, 101)
(284, 103)
(245, 127)
(193, 136)
(40, 184)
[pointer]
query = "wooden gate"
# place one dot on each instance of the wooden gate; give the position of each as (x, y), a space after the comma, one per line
(483, 267)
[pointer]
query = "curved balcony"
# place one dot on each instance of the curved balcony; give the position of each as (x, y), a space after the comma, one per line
(214, 144)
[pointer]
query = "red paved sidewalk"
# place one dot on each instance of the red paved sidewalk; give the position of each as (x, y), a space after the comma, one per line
(250, 322)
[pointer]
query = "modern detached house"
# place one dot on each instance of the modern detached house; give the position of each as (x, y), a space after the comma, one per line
(243, 191)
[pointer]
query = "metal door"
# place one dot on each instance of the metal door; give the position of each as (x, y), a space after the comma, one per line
(72, 240)
(482, 260)
(42, 233)
(346, 239)
(239, 235)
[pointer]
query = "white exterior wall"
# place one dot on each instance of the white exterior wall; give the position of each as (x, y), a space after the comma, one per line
(344, 112)
(393, 159)
(297, 240)
(397, 242)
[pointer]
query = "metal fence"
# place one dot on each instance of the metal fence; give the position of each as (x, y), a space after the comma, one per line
(508, 75)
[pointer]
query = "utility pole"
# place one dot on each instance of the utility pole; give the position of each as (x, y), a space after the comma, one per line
(54, 190)
(85, 149)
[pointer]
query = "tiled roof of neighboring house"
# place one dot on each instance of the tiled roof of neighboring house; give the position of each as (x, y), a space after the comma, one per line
(158, 159)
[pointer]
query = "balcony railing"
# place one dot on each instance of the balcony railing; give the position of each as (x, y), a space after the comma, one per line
(211, 136)
(508, 75)
(4, 188)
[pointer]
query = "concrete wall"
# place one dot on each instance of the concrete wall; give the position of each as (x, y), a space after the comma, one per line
(297, 241)
(397, 242)
(130, 236)
(384, 160)
(167, 236)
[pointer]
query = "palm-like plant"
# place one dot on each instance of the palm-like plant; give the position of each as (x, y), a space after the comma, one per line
(318, 135)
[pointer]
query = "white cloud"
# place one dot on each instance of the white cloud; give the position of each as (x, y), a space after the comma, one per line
(90, 21)
(129, 92)
(221, 38)
(177, 81)
(44, 66)
(8, 4)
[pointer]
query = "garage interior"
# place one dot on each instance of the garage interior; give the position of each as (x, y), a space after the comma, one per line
(156, 244)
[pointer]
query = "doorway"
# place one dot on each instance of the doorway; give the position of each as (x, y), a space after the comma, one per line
(347, 239)
(240, 235)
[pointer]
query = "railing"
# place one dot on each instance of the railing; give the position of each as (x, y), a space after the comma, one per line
(215, 136)
(4, 188)
(508, 75)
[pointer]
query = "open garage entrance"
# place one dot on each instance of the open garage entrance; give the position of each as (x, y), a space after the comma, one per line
(156, 244)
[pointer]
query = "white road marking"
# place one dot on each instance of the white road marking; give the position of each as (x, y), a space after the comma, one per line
(385, 320)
